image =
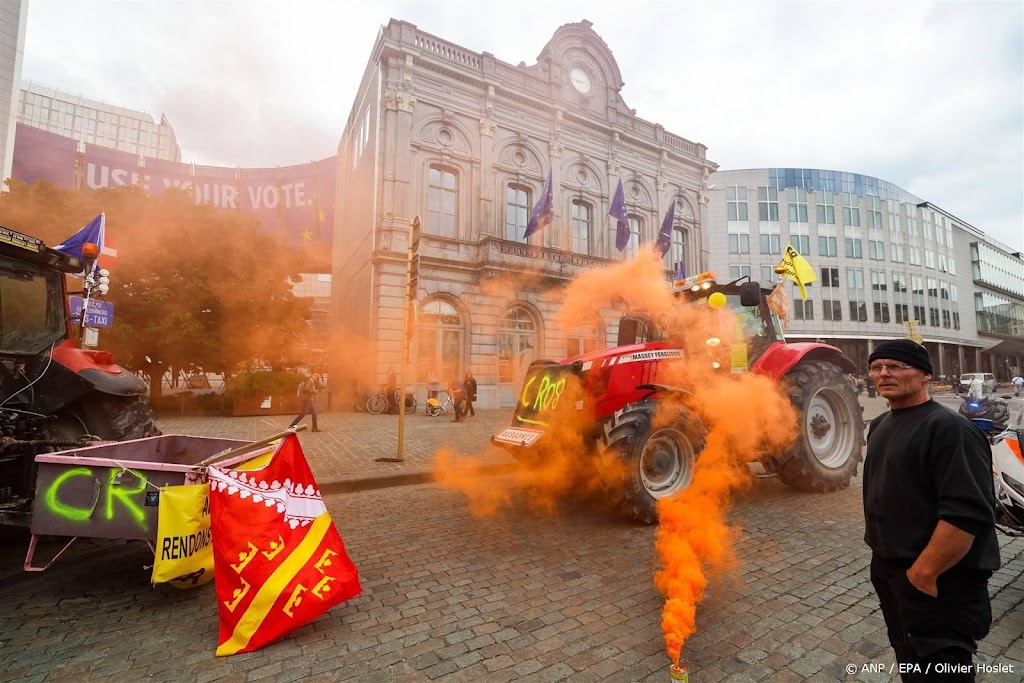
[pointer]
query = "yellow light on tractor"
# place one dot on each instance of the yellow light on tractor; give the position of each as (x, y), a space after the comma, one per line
(90, 251)
(697, 282)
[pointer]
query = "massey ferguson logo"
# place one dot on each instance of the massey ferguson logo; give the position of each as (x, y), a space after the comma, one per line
(652, 355)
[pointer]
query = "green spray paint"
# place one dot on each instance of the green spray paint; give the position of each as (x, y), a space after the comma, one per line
(115, 490)
(70, 512)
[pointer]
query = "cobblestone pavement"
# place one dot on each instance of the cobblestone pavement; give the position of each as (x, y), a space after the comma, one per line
(518, 596)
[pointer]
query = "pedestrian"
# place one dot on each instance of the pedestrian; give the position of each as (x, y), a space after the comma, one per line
(470, 394)
(457, 391)
(929, 512)
(433, 384)
(976, 387)
(1018, 385)
(390, 389)
(307, 396)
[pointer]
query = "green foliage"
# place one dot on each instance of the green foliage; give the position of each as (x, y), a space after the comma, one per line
(263, 384)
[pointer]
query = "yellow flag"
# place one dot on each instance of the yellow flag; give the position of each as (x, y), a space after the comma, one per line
(797, 269)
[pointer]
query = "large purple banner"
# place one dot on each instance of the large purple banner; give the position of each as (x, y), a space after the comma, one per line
(39, 155)
(295, 202)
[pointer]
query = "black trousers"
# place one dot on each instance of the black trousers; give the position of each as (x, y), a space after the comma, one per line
(469, 408)
(934, 638)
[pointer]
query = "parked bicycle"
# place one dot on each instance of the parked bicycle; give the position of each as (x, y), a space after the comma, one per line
(436, 406)
(378, 403)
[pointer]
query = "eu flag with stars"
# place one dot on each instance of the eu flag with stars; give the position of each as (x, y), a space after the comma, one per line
(665, 235)
(543, 212)
(92, 233)
(618, 212)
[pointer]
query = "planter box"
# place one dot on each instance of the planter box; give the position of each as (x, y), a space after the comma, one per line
(265, 405)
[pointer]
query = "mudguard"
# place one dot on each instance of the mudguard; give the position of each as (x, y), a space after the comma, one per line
(99, 370)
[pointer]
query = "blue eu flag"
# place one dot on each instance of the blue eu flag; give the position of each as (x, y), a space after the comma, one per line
(618, 212)
(543, 212)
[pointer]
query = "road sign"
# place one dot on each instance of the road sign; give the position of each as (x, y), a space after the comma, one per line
(100, 313)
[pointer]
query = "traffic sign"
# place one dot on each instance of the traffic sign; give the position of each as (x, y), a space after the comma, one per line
(100, 313)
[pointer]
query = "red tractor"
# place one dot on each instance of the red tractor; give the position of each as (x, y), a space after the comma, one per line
(54, 395)
(613, 394)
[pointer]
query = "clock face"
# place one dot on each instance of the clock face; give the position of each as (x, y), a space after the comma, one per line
(580, 80)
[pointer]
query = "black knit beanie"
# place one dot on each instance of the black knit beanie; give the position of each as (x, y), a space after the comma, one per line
(903, 350)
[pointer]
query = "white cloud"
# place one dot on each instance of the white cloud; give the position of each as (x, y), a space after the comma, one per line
(929, 96)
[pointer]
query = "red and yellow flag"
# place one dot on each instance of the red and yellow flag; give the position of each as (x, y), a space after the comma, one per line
(279, 562)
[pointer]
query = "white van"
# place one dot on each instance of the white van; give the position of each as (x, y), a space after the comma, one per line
(987, 377)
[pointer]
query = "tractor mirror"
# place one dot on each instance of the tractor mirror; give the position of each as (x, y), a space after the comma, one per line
(628, 328)
(750, 294)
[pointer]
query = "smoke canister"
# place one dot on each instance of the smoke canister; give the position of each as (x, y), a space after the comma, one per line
(679, 674)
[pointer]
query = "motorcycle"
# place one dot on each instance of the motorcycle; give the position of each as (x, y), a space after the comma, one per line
(1008, 473)
(985, 408)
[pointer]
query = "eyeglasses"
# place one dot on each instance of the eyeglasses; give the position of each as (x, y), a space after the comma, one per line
(893, 368)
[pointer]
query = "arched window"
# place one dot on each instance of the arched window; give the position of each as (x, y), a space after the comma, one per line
(581, 213)
(677, 253)
(635, 226)
(517, 344)
(442, 200)
(583, 339)
(517, 212)
(439, 337)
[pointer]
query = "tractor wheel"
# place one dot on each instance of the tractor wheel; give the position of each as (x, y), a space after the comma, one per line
(111, 418)
(659, 462)
(830, 444)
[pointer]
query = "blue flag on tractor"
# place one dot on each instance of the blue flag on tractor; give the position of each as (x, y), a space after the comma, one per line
(93, 233)
(665, 235)
(543, 212)
(618, 212)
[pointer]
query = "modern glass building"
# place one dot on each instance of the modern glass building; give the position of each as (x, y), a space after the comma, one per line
(889, 264)
(97, 123)
(13, 16)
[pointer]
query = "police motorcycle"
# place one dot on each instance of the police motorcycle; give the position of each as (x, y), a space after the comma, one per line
(985, 408)
(1008, 472)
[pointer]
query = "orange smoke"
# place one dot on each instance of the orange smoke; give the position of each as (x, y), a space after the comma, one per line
(744, 415)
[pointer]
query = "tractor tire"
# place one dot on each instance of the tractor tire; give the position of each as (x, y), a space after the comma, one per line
(830, 444)
(111, 418)
(659, 463)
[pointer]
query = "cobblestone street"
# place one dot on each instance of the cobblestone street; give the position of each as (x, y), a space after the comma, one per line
(517, 596)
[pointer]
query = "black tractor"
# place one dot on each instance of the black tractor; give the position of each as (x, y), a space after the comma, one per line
(54, 395)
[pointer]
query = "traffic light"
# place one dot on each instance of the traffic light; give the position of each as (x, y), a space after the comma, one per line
(414, 258)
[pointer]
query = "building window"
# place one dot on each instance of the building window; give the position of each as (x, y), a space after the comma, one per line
(802, 310)
(851, 209)
(768, 274)
(896, 253)
(770, 244)
(874, 207)
(517, 212)
(802, 243)
(858, 311)
(827, 246)
(879, 281)
(956, 320)
(439, 340)
(853, 248)
(881, 312)
(915, 256)
(854, 278)
(876, 250)
(919, 314)
(829, 277)
(739, 243)
(584, 339)
(832, 309)
(945, 319)
(894, 216)
(736, 202)
(633, 245)
(580, 227)
(677, 253)
(826, 205)
(901, 313)
(442, 198)
(796, 198)
(933, 288)
(517, 344)
(736, 272)
(899, 283)
(911, 220)
(929, 259)
(768, 203)
(933, 317)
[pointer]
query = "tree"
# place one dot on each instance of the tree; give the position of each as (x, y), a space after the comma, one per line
(193, 287)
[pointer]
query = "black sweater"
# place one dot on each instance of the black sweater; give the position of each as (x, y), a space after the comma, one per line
(927, 463)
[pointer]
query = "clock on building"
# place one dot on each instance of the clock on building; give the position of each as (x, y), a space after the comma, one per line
(580, 80)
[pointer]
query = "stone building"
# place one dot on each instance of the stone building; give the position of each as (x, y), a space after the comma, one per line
(465, 142)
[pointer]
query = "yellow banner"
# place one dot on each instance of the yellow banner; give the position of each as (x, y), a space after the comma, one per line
(184, 556)
(797, 269)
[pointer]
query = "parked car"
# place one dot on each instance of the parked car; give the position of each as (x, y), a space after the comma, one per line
(987, 377)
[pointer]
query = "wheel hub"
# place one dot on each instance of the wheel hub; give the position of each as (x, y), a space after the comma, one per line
(820, 426)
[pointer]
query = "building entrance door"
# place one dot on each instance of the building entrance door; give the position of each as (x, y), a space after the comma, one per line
(517, 348)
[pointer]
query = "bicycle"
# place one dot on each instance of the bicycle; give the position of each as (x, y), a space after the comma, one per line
(436, 406)
(378, 403)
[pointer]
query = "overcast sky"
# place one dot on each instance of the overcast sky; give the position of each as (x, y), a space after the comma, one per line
(927, 95)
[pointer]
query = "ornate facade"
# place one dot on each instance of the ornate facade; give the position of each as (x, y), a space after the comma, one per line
(466, 142)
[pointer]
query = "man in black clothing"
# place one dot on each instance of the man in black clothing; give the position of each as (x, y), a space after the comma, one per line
(929, 512)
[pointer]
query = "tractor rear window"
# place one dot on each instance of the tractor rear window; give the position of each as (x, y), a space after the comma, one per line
(547, 389)
(31, 309)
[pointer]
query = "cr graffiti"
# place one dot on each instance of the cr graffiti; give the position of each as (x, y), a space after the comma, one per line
(119, 496)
